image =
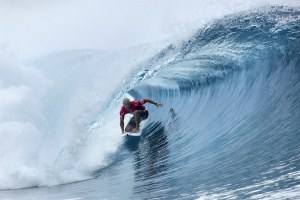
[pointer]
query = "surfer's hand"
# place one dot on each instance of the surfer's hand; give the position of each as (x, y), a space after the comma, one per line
(158, 105)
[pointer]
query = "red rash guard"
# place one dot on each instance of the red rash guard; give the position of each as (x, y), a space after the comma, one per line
(134, 105)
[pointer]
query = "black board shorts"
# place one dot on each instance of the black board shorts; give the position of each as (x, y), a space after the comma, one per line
(144, 115)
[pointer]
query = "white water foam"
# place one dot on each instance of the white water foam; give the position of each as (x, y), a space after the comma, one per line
(46, 108)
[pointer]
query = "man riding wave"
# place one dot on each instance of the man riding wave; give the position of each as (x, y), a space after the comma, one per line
(139, 111)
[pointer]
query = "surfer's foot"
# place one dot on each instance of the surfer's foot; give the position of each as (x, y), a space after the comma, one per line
(135, 130)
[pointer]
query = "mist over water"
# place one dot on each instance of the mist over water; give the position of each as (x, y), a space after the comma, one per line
(229, 85)
(33, 28)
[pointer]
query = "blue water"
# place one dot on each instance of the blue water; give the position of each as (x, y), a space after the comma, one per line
(229, 128)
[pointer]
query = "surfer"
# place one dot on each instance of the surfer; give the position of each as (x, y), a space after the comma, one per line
(139, 111)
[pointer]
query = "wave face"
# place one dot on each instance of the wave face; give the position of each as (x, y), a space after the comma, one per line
(229, 128)
(234, 98)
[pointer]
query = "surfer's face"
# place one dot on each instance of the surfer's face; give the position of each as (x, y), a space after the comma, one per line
(127, 106)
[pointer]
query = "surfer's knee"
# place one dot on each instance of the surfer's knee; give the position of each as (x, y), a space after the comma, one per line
(137, 113)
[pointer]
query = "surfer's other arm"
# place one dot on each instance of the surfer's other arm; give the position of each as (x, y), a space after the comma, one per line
(122, 124)
(152, 102)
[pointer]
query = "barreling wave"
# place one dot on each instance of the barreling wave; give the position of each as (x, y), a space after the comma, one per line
(231, 112)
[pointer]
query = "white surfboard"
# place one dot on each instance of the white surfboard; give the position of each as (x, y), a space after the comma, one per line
(126, 121)
(134, 134)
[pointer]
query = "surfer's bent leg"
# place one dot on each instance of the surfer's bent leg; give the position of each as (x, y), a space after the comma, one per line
(131, 125)
(137, 115)
(128, 128)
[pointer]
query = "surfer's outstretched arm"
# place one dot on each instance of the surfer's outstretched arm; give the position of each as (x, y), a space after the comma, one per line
(153, 102)
(122, 124)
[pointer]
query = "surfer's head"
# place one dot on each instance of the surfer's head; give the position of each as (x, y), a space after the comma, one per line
(126, 103)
